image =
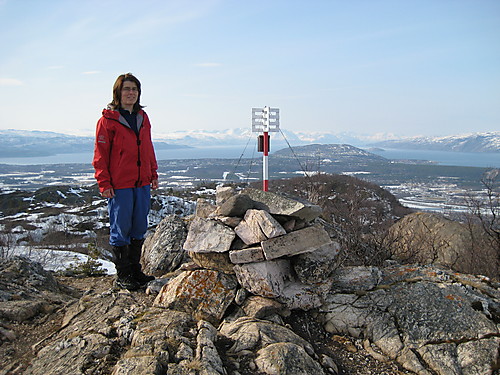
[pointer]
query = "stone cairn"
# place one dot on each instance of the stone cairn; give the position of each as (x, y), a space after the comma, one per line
(256, 242)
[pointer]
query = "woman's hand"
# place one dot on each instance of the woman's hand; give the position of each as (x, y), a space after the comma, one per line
(109, 193)
(154, 184)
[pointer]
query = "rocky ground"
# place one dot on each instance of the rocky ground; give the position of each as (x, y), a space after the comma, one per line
(349, 355)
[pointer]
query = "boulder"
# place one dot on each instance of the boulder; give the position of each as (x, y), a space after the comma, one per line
(279, 205)
(163, 251)
(257, 226)
(260, 307)
(223, 193)
(206, 235)
(253, 334)
(204, 293)
(266, 279)
(204, 208)
(235, 205)
(316, 266)
(431, 238)
(286, 358)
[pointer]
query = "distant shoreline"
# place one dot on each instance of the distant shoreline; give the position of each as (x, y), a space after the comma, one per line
(463, 159)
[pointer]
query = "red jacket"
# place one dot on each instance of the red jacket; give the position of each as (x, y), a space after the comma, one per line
(121, 158)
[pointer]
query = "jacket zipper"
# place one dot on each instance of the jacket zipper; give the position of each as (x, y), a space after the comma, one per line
(138, 162)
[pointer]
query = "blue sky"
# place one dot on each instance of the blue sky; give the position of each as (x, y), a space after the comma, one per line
(426, 67)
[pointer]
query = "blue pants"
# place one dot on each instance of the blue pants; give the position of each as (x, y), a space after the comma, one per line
(128, 215)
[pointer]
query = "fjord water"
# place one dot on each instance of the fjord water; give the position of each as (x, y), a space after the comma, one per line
(466, 159)
(463, 159)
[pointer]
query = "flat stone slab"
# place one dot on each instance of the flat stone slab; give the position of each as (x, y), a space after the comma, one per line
(279, 205)
(293, 243)
(248, 255)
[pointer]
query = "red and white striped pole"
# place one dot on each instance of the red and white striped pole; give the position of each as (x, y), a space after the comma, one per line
(265, 165)
(265, 120)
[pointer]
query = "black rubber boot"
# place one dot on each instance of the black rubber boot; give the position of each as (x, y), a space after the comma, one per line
(124, 278)
(135, 249)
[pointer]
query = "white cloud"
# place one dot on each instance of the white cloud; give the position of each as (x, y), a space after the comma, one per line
(10, 82)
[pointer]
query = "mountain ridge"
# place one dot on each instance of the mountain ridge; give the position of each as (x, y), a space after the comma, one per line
(23, 143)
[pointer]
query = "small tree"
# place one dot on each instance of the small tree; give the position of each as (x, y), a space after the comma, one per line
(91, 267)
(484, 211)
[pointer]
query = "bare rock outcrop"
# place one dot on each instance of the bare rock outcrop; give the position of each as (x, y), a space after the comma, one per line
(424, 238)
(430, 320)
(27, 290)
(225, 312)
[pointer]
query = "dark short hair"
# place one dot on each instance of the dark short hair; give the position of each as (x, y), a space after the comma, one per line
(117, 91)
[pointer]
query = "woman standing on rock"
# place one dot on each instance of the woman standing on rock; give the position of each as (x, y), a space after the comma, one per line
(125, 170)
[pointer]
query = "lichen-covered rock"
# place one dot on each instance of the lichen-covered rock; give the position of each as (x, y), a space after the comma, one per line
(405, 310)
(213, 261)
(204, 293)
(253, 334)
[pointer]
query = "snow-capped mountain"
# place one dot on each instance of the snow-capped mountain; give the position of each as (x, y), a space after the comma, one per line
(34, 143)
(15, 143)
(473, 142)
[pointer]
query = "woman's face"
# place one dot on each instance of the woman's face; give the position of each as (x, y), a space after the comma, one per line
(130, 93)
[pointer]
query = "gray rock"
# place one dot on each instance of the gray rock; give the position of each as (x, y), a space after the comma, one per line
(351, 279)
(298, 242)
(404, 310)
(162, 252)
(257, 226)
(296, 295)
(28, 290)
(90, 329)
(248, 255)
(286, 359)
(204, 293)
(316, 266)
(260, 307)
(236, 205)
(279, 205)
(138, 365)
(207, 236)
(204, 208)
(253, 334)
(266, 279)
(223, 193)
